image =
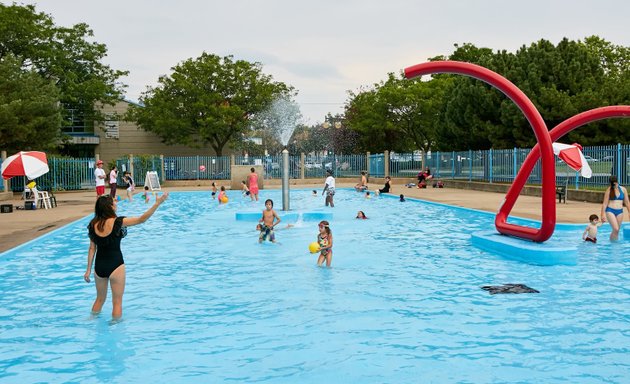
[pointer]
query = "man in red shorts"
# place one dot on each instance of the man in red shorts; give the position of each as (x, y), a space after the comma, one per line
(99, 175)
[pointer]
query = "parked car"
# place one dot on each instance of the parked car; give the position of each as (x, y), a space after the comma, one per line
(590, 159)
(608, 158)
(311, 165)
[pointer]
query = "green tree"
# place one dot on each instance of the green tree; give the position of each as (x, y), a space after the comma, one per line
(65, 55)
(366, 113)
(29, 112)
(561, 80)
(398, 114)
(207, 101)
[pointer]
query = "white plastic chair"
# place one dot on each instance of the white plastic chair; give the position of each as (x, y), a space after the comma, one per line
(41, 198)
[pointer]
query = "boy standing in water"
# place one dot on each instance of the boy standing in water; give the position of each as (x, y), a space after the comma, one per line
(269, 220)
(590, 233)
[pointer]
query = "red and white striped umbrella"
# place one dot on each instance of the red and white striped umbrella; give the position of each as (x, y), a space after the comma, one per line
(573, 156)
(30, 164)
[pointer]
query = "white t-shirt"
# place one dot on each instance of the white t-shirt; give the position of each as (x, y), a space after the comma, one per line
(113, 175)
(330, 181)
(99, 172)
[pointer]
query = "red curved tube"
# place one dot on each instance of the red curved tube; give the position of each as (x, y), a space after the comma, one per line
(555, 134)
(544, 150)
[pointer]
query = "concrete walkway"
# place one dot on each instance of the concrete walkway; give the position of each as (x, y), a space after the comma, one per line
(21, 226)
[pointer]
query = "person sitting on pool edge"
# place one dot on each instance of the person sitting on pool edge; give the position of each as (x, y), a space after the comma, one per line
(387, 187)
(362, 185)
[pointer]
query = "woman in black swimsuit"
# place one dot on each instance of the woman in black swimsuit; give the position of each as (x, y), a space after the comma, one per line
(105, 231)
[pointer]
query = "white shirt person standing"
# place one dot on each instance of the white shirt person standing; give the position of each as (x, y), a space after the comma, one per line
(329, 188)
(99, 175)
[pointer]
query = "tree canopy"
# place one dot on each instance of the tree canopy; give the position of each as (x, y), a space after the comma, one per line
(29, 112)
(65, 57)
(452, 112)
(207, 101)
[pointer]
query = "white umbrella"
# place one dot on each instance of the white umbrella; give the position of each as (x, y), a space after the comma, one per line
(31, 164)
(573, 156)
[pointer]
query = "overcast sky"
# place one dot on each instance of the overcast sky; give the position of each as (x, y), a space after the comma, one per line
(324, 48)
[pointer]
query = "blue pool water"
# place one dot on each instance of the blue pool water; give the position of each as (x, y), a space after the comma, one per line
(205, 302)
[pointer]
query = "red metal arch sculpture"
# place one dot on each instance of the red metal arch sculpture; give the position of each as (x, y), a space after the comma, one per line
(542, 150)
(548, 221)
(556, 133)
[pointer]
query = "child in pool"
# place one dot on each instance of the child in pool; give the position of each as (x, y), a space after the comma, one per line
(402, 198)
(221, 194)
(590, 233)
(146, 196)
(244, 188)
(367, 195)
(214, 190)
(361, 215)
(268, 220)
(314, 193)
(325, 241)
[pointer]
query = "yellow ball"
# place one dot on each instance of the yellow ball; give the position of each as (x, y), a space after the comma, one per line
(313, 247)
(224, 199)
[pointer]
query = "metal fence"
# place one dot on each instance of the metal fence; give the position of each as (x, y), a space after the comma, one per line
(502, 166)
(65, 174)
(493, 165)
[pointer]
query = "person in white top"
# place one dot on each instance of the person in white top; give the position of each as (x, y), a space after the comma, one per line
(113, 177)
(329, 188)
(99, 175)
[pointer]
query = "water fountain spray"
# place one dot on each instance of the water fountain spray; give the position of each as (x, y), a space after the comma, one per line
(281, 119)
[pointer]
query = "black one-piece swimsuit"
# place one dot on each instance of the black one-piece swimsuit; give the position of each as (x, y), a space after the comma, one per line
(108, 253)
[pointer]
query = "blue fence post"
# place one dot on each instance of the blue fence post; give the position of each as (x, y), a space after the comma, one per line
(453, 165)
(619, 176)
(577, 180)
(54, 166)
(437, 162)
(514, 163)
(471, 164)
(490, 166)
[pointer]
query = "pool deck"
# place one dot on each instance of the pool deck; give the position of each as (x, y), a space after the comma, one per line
(21, 226)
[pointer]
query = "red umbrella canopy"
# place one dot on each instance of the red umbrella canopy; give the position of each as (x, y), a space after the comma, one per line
(31, 164)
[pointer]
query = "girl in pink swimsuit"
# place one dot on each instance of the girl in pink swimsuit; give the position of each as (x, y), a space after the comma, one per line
(253, 185)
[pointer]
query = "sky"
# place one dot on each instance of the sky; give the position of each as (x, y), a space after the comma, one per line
(325, 48)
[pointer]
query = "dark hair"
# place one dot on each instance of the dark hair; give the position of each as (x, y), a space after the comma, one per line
(253, 170)
(402, 197)
(146, 187)
(613, 180)
(363, 172)
(103, 210)
(326, 225)
(269, 201)
(243, 182)
(223, 187)
(314, 191)
(361, 215)
(593, 217)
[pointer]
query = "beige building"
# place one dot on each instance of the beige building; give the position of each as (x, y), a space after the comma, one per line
(116, 138)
